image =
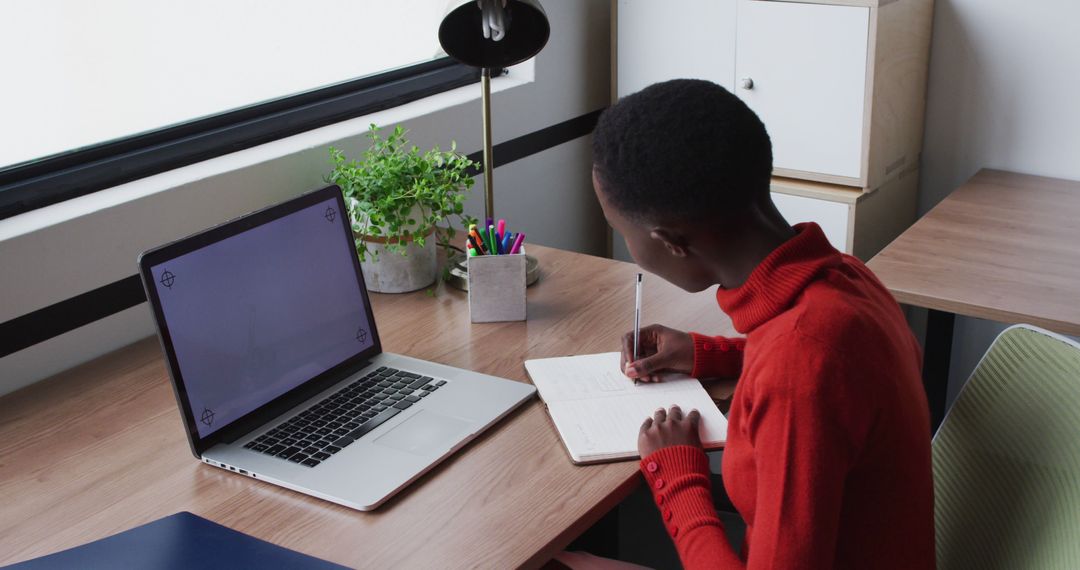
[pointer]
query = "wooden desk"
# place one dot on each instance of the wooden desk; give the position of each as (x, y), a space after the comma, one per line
(1003, 247)
(101, 448)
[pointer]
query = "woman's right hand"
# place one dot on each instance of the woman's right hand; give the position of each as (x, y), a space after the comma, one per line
(660, 349)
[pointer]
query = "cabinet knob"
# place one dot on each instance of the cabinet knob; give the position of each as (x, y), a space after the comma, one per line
(747, 83)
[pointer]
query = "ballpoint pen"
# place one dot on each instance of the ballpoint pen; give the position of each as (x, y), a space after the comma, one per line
(637, 320)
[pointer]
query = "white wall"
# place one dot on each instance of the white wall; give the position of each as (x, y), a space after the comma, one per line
(1004, 92)
(57, 252)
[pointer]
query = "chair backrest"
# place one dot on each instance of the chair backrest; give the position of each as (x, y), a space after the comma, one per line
(1007, 458)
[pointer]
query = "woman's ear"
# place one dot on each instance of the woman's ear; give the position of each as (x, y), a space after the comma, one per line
(673, 241)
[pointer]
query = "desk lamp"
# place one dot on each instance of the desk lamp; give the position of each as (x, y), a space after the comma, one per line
(492, 34)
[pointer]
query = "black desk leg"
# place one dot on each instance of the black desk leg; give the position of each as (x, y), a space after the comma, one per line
(936, 358)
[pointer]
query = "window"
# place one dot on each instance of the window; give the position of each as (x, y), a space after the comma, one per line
(100, 93)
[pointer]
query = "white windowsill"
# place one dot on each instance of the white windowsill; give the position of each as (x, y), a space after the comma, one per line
(55, 214)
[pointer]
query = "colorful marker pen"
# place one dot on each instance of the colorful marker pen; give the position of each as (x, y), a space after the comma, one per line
(517, 243)
(474, 240)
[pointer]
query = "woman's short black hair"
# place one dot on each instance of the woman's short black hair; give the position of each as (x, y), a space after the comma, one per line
(683, 149)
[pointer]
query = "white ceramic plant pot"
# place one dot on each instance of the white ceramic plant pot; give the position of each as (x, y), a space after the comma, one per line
(388, 271)
(391, 272)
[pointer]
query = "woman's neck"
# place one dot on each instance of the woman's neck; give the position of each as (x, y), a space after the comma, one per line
(744, 244)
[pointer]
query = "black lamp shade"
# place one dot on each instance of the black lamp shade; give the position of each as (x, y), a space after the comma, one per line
(461, 35)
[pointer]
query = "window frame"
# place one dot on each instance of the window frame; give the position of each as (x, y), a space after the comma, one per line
(38, 183)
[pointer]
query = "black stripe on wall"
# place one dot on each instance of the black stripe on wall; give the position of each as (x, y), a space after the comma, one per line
(65, 316)
(59, 318)
(535, 142)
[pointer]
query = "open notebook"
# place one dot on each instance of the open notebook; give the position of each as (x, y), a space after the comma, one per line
(598, 411)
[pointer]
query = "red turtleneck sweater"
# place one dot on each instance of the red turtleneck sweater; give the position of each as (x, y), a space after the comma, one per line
(828, 449)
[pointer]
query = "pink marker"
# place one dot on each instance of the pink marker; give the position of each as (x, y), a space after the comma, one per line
(501, 229)
(517, 243)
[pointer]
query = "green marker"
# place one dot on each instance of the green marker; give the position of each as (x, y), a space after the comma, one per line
(484, 241)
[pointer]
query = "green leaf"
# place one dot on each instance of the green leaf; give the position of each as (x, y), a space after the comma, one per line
(393, 177)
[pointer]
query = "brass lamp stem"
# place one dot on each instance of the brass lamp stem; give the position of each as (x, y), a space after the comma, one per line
(489, 165)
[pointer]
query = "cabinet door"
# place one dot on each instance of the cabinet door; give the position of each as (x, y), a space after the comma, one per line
(802, 68)
(833, 217)
(674, 39)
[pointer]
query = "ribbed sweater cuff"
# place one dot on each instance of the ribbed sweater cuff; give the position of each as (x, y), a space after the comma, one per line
(679, 478)
(678, 459)
(717, 357)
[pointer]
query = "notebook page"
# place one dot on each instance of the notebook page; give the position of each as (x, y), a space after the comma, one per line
(598, 411)
(609, 427)
(593, 376)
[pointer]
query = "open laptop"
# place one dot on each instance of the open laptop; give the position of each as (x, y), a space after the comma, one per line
(278, 370)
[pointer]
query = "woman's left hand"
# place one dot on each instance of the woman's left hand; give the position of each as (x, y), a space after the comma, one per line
(667, 429)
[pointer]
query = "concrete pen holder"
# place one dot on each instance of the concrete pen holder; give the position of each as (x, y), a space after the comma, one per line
(497, 288)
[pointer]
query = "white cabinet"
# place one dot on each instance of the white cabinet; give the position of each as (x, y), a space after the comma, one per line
(802, 69)
(839, 84)
(833, 217)
(689, 38)
(855, 222)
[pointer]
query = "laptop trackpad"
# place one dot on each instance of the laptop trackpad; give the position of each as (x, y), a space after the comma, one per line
(426, 433)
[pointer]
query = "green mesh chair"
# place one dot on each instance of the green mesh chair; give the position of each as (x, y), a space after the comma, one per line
(1007, 458)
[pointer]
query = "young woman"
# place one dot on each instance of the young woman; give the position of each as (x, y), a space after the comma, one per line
(828, 450)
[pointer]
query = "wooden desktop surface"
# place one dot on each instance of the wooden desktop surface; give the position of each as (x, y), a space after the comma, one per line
(1003, 246)
(100, 449)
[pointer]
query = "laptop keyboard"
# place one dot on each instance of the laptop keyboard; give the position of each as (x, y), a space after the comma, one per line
(316, 434)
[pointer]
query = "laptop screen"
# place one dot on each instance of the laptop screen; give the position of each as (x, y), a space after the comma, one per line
(259, 313)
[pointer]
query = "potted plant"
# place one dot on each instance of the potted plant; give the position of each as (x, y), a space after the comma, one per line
(396, 196)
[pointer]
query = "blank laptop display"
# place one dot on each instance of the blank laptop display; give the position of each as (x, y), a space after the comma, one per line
(259, 313)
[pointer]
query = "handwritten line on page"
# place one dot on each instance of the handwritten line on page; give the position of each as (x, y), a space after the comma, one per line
(598, 411)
